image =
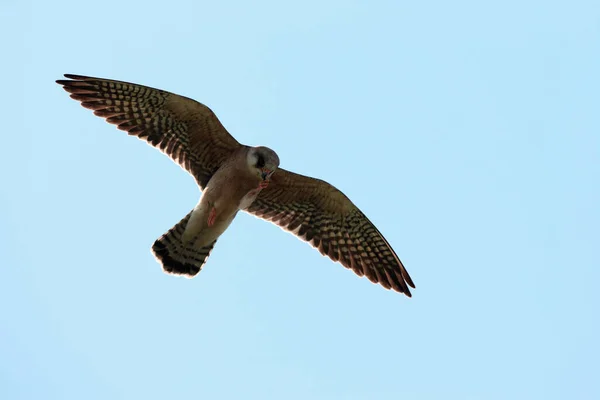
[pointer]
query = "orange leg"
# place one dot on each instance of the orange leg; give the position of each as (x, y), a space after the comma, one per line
(212, 216)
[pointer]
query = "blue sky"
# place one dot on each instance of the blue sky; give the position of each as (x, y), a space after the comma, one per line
(467, 131)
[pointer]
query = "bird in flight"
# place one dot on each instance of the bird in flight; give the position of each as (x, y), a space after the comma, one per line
(236, 177)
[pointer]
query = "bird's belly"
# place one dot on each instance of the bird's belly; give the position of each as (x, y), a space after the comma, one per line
(249, 198)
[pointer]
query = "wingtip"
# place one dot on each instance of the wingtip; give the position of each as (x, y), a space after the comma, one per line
(406, 290)
(71, 78)
(75, 77)
(408, 279)
(64, 82)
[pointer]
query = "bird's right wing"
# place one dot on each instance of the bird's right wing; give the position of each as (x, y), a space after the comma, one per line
(320, 214)
(187, 131)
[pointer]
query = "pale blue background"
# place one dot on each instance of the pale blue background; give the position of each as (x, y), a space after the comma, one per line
(468, 131)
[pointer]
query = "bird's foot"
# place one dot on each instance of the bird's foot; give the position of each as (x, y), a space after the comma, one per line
(212, 216)
(263, 184)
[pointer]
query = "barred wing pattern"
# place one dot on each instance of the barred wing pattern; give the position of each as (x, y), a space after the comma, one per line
(187, 131)
(323, 216)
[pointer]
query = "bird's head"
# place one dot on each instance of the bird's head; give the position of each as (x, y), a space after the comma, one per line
(263, 162)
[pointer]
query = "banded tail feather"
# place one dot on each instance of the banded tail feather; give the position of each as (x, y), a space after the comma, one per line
(177, 257)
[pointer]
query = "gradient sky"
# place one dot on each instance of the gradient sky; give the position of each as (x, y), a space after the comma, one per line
(467, 131)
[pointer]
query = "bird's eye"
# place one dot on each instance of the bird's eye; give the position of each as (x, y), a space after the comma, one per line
(260, 162)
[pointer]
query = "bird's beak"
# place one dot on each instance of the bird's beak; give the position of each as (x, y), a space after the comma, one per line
(265, 173)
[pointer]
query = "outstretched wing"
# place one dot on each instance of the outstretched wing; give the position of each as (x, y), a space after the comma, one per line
(187, 131)
(323, 216)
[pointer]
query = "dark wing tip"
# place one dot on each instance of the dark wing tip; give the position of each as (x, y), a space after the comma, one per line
(71, 78)
(408, 280)
(77, 77)
(403, 281)
(396, 279)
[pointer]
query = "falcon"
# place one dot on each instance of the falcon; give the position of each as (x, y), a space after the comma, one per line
(234, 177)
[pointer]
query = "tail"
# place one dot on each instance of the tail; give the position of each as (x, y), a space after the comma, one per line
(177, 257)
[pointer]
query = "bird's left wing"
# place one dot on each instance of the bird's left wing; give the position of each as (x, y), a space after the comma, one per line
(320, 214)
(185, 130)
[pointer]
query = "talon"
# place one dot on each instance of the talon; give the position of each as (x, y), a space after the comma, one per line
(212, 216)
